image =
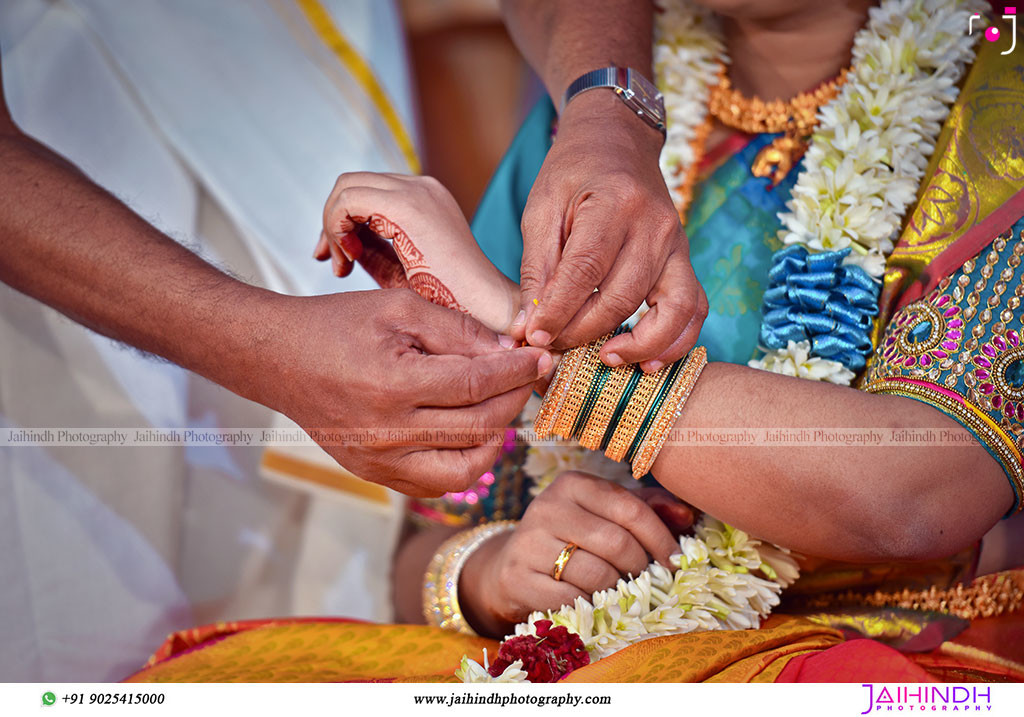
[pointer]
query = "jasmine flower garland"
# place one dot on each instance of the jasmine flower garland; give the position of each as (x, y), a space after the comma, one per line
(866, 159)
(688, 50)
(865, 163)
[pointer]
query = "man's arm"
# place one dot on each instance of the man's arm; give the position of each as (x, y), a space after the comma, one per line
(72, 245)
(562, 40)
(599, 215)
(357, 361)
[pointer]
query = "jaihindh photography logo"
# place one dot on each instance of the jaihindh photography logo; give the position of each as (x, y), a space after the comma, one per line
(927, 698)
(993, 33)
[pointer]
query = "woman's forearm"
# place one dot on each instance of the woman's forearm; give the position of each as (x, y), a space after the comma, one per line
(857, 502)
(411, 559)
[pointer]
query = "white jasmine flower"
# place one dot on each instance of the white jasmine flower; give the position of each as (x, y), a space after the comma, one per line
(872, 262)
(547, 461)
(731, 601)
(637, 591)
(729, 548)
(690, 588)
(527, 628)
(669, 620)
(693, 552)
(687, 49)
(661, 578)
(796, 360)
(765, 594)
(604, 644)
(778, 564)
(472, 671)
(578, 619)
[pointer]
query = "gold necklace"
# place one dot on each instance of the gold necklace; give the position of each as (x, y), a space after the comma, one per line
(797, 118)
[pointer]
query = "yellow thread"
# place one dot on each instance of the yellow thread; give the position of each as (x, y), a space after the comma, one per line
(320, 20)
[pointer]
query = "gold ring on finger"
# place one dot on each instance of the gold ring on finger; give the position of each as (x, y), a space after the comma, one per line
(563, 559)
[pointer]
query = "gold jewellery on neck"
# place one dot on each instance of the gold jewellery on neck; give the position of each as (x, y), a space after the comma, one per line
(796, 117)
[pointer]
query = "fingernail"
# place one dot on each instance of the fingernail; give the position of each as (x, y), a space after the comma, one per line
(613, 360)
(654, 366)
(506, 342)
(540, 338)
(544, 364)
(520, 318)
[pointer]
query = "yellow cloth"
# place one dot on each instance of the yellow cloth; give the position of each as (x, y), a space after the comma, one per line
(347, 652)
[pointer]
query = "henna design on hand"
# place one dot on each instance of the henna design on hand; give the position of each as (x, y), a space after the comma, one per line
(398, 263)
(411, 257)
(433, 290)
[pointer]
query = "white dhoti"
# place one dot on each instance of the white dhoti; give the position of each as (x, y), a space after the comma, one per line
(225, 125)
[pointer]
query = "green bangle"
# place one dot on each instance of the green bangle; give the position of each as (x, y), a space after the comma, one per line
(593, 394)
(596, 385)
(658, 400)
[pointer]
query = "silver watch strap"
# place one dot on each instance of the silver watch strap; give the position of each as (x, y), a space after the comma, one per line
(605, 77)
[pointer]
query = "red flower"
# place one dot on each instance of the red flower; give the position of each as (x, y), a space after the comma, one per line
(548, 657)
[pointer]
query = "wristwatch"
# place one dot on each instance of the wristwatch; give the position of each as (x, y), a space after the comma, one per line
(633, 88)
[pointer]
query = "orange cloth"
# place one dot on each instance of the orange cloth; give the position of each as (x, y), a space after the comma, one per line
(314, 651)
(718, 656)
(784, 649)
(338, 651)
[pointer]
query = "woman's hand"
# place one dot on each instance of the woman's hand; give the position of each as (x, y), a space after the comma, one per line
(511, 575)
(430, 248)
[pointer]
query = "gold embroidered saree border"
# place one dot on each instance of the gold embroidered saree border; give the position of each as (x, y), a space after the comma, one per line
(955, 405)
(970, 183)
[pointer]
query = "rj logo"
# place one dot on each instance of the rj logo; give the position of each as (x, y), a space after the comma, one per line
(992, 33)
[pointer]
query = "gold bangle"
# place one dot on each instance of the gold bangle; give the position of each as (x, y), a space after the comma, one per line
(653, 406)
(441, 581)
(577, 392)
(604, 409)
(551, 406)
(634, 414)
(669, 412)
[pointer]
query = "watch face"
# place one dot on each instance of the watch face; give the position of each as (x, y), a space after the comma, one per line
(647, 96)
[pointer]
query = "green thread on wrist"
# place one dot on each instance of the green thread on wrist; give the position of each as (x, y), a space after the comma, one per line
(627, 394)
(658, 400)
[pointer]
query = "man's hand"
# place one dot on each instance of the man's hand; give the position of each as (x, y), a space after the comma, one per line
(383, 360)
(423, 393)
(600, 217)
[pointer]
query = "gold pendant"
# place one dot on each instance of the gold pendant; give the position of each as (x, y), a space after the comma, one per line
(778, 158)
